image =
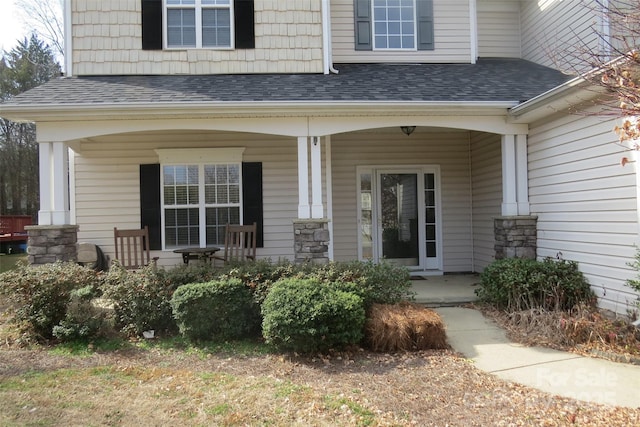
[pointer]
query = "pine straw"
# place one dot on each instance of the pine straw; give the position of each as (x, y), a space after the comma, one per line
(584, 329)
(404, 326)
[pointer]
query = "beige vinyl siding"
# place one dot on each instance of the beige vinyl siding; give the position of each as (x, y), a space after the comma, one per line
(585, 202)
(554, 32)
(451, 36)
(107, 184)
(390, 147)
(498, 29)
(486, 178)
(107, 39)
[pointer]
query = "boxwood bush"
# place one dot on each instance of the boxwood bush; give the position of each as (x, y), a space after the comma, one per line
(516, 284)
(141, 299)
(217, 310)
(381, 283)
(84, 319)
(259, 276)
(307, 315)
(41, 295)
(375, 283)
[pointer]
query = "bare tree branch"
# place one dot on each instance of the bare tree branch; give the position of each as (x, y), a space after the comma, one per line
(46, 20)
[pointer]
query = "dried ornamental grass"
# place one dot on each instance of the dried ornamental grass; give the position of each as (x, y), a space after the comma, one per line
(404, 326)
(583, 328)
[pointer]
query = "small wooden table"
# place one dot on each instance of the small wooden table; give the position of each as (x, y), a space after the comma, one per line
(196, 253)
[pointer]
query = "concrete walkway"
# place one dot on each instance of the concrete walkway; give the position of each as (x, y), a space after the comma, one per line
(445, 290)
(556, 372)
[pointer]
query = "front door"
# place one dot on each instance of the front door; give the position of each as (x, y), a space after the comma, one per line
(399, 216)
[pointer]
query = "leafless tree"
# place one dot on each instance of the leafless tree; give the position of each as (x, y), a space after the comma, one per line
(45, 18)
(614, 64)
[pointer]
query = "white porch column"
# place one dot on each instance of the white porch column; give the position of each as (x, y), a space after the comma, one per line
(522, 175)
(509, 179)
(311, 235)
(54, 184)
(304, 211)
(317, 208)
(515, 184)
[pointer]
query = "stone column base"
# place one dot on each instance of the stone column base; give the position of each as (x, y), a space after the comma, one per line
(311, 241)
(516, 237)
(50, 243)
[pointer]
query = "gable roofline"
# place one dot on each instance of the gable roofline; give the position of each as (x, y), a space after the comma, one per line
(566, 96)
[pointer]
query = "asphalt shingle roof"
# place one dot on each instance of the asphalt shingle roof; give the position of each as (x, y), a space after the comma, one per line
(487, 80)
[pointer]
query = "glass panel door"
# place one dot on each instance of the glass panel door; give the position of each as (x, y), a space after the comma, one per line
(398, 218)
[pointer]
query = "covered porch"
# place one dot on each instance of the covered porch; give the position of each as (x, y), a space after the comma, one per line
(316, 144)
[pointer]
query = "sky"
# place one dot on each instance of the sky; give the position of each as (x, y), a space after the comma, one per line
(11, 26)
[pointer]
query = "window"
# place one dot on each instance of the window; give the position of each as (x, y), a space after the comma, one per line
(152, 189)
(198, 201)
(394, 24)
(199, 191)
(198, 23)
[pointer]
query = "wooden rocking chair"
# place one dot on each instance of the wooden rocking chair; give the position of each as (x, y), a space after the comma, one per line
(132, 248)
(239, 243)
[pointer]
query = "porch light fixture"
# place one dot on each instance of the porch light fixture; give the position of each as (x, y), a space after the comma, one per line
(407, 130)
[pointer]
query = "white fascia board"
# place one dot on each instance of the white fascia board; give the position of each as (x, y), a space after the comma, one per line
(563, 97)
(560, 98)
(123, 111)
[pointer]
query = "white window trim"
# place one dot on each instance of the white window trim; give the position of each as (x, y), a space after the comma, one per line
(395, 49)
(179, 156)
(198, 6)
(200, 158)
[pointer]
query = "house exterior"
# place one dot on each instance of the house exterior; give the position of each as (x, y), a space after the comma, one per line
(437, 134)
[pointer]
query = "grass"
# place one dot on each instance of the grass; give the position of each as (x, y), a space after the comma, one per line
(9, 262)
(169, 381)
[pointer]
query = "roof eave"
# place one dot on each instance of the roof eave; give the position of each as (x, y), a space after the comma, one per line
(158, 110)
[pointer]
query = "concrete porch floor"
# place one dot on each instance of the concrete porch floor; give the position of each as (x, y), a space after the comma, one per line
(445, 291)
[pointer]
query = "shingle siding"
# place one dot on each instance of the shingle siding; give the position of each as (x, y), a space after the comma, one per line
(107, 40)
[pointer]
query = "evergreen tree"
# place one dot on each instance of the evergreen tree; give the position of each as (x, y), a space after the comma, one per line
(26, 66)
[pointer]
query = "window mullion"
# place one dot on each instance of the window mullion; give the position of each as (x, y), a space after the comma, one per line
(198, 7)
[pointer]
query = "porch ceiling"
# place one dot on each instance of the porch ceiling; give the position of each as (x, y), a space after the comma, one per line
(488, 84)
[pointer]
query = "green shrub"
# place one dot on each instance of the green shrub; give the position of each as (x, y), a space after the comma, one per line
(195, 272)
(518, 284)
(381, 283)
(41, 294)
(260, 275)
(635, 282)
(218, 310)
(84, 320)
(141, 299)
(307, 315)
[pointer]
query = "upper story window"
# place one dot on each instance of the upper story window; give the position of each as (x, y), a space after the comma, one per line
(206, 24)
(393, 24)
(198, 23)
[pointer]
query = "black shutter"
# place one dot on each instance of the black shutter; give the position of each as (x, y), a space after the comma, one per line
(362, 9)
(252, 198)
(425, 24)
(244, 22)
(150, 203)
(151, 24)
